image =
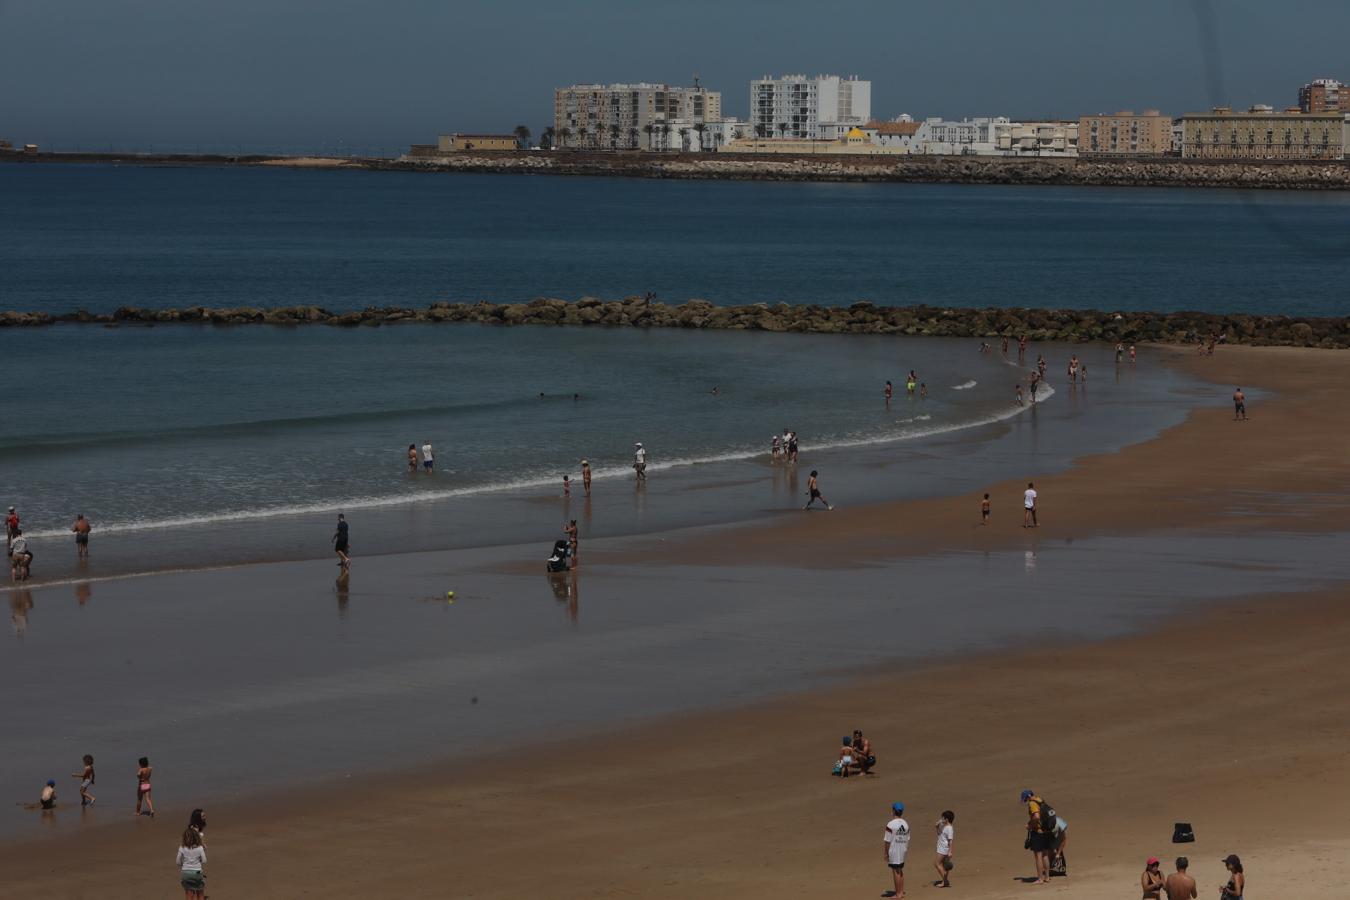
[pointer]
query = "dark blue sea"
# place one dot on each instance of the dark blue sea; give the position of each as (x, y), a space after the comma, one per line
(99, 237)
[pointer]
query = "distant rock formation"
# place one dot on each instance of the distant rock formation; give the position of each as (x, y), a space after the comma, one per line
(1072, 325)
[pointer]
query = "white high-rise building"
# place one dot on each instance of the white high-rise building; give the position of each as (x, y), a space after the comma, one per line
(628, 116)
(820, 108)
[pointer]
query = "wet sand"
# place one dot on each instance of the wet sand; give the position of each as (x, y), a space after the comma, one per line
(1225, 718)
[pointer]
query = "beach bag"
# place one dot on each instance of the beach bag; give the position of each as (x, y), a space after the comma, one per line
(1049, 818)
(838, 769)
(1182, 833)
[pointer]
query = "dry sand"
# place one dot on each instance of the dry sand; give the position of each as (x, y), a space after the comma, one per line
(1235, 719)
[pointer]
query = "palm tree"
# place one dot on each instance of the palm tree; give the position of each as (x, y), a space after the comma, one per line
(684, 140)
(566, 135)
(632, 138)
(782, 129)
(614, 136)
(546, 138)
(700, 128)
(649, 128)
(522, 134)
(759, 131)
(665, 136)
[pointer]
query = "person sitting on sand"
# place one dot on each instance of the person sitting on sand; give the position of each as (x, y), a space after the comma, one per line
(862, 752)
(47, 799)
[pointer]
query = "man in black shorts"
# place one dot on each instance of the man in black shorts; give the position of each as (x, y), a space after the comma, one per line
(1239, 405)
(1039, 841)
(340, 538)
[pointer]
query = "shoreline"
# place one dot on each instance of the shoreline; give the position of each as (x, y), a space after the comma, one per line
(662, 812)
(1080, 171)
(860, 317)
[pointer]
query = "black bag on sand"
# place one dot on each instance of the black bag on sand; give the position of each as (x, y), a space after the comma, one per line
(1182, 833)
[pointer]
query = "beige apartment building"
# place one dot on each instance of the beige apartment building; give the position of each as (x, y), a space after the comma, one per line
(1125, 134)
(458, 143)
(1262, 133)
(625, 116)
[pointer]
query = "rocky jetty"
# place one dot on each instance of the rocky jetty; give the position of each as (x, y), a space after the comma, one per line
(1152, 172)
(1070, 325)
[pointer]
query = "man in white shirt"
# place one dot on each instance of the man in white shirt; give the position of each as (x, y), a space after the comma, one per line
(427, 459)
(20, 557)
(640, 461)
(1029, 507)
(896, 847)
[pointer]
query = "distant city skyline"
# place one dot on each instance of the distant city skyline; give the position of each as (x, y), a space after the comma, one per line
(334, 75)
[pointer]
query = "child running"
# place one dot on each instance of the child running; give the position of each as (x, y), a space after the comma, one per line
(86, 781)
(143, 773)
(813, 489)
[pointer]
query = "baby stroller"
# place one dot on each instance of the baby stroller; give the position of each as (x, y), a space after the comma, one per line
(558, 561)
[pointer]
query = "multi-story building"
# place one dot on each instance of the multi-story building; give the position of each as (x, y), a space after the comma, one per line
(1036, 138)
(968, 137)
(1125, 134)
(1325, 95)
(627, 116)
(1262, 133)
(686, 135)
(802, 108)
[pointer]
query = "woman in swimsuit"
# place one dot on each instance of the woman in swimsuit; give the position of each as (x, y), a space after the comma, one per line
(570, 532)
(143, 774)
(1237, 881)
(1152, 880)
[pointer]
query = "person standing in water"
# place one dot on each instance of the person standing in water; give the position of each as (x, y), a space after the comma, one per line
(81, 529)
(889, 391)
(412, 459)
(640, 461)
(341, 541)
(1120, 352)
(428, 459)
(570, 532)
(1019, 396)
(813, 492)
(86, 777)
(143, 798)
(11, 529)
(1029, 507)
(586, 476)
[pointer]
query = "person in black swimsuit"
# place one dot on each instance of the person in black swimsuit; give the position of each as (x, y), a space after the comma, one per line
(1237, 881)
(340, 541)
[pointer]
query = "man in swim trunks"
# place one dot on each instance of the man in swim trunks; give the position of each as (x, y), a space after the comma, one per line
(813, 490)
(640, 461)
(1239, 405)
(340, 541)
(81, 529)
(47, 799)
(1180, 885)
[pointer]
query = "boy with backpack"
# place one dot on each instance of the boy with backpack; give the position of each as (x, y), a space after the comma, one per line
(1041, 821)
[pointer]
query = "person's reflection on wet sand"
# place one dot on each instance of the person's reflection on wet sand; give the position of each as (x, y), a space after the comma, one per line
(20, 602)
(83, 591)
(564, 585)
(341, 587)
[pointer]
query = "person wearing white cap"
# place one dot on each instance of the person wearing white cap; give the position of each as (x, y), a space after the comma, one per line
(640, 461)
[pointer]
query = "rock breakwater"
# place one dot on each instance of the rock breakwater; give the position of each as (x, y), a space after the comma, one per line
(1150, 172)
(863, 317)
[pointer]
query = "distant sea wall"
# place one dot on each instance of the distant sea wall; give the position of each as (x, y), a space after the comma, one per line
(1156, 172)
(859, 318)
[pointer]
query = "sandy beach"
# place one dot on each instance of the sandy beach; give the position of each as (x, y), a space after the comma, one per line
(1227, 718)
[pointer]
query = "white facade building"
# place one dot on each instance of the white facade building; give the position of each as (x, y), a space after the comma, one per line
(686, 136)
(796, 106)
(993, 136)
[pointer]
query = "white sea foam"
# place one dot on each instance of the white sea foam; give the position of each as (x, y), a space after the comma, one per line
(966, 386)
(528, 482)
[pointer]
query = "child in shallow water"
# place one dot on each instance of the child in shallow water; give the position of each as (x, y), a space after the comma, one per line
(143, 798)
(86, 777)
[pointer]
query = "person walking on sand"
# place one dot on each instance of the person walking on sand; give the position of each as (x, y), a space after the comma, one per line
(984, 510)
(428, 458)
(143, 798)
(81, 529)
(1180, 885)
(86, 776)
(567, 486)
(813, 492)
(586, 476)
(1029, 507)
(190, 861)
(1237, 879)
(1239, 405)
(946, 848)
(1151, 881)
(896, 848)
(341, 543)
(640, 461)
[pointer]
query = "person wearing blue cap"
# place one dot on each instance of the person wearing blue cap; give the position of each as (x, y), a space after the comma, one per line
(896, 848)
(48, 797)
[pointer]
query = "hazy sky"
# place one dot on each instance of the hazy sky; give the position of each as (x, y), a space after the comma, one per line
(309, 74)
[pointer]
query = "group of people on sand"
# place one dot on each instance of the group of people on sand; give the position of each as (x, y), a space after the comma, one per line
(20, 553)
(191, 858)
(895, 848)
(1181, 884)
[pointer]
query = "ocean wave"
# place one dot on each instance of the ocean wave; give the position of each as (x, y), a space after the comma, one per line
(533, 481)
(965, 386)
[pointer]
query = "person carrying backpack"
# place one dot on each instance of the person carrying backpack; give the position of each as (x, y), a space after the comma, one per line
(1041, 821)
